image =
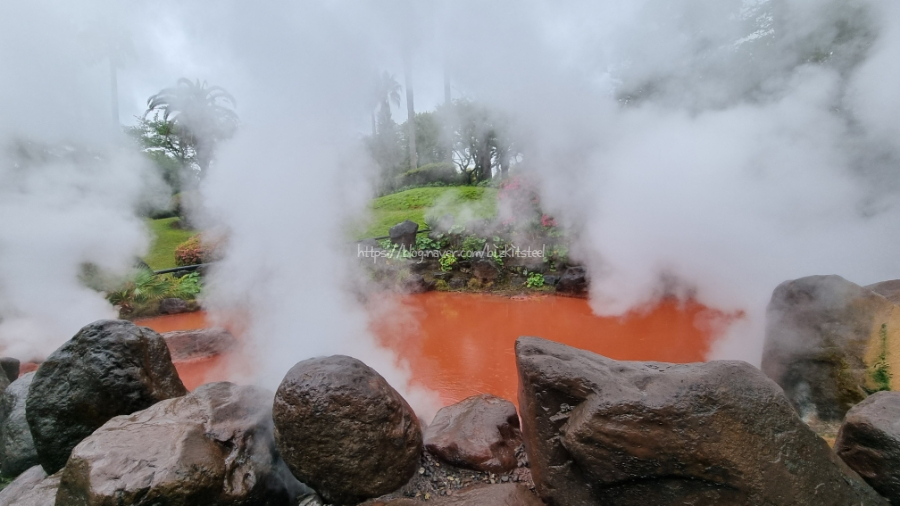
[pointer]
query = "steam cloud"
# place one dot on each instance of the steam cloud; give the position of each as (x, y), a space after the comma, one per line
(696, 149)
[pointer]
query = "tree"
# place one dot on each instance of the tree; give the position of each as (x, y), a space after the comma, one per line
(385, 92)
(158, 139)
(193, 113)
(480, 139)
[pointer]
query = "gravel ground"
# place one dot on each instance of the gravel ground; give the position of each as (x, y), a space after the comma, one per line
(435, 478)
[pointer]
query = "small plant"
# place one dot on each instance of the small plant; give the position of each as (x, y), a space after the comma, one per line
(534, 280)
(881, 372)
(447, 261)
(441, 285)
(423, 242)
(497, 258)
(472, 243)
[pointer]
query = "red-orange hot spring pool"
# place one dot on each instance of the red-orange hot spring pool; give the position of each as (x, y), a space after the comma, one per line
(462, 344)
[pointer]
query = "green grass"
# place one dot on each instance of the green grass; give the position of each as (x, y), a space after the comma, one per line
(465, 202)
(166, 239)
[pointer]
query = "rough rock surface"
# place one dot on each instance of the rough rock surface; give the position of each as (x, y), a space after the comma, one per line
(484, 270)
(201, 343)
(404, 233)
(17, 452)
(573, 281)
(212, 447)
(23, 484)
(10, 367)
(890, 290)
(344, 431)
(110, 368)
(869, 442)
(40, 493)
(600, 431)
(173, 305)
(508, 494)
(825, 339)
(415, 283)
(480, 433)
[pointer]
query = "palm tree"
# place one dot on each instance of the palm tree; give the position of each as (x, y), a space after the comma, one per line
(197, 116)
(386, 92)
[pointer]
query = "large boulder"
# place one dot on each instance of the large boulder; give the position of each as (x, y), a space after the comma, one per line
(404, 233)
(344, 431)
(212, 447)
(600, 431)
(869, 442)
(23, 484)
(479, 433)
(196, 344)
(17, 452)
(110, 368)
(508, 494)
(829, 343)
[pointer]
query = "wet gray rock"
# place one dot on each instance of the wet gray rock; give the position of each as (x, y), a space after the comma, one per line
(485, 271)
(200, 343)
(551, 279)
(17, 452)
(404, 234)
(40, 493)
(10, 367)
(23, 484)
(213, 446)
(601, 431)
(869, 442)
(480, 433)
(573, 282)
(415, 283)
(173, 305)
(110, 368)
(344, 431)
(824, 337)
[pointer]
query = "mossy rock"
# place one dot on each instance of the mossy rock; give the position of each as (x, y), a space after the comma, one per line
(830, 343)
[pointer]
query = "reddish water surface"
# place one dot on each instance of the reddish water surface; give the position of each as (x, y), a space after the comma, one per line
(193, 373)
(462, 344)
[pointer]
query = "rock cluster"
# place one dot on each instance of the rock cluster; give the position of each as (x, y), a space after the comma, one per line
(830, 342)
(110, 368)
(213, 446)
(599, 431)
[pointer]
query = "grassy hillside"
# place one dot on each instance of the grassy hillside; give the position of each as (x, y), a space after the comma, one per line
(466, 202)
(162, 251)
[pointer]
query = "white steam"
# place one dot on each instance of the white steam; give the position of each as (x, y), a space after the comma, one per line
(703, 149)
(68, 194)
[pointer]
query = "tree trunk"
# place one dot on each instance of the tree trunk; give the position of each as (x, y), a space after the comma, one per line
(411, 118)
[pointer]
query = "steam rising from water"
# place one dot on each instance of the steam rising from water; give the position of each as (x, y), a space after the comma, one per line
(699, 149)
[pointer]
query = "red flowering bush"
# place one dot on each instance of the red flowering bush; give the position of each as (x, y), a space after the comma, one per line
(520, 203)
(197, 250)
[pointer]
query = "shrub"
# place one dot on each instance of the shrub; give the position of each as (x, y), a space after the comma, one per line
(535, 280)
(447, 261)
(443, 173)
(197, 250)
